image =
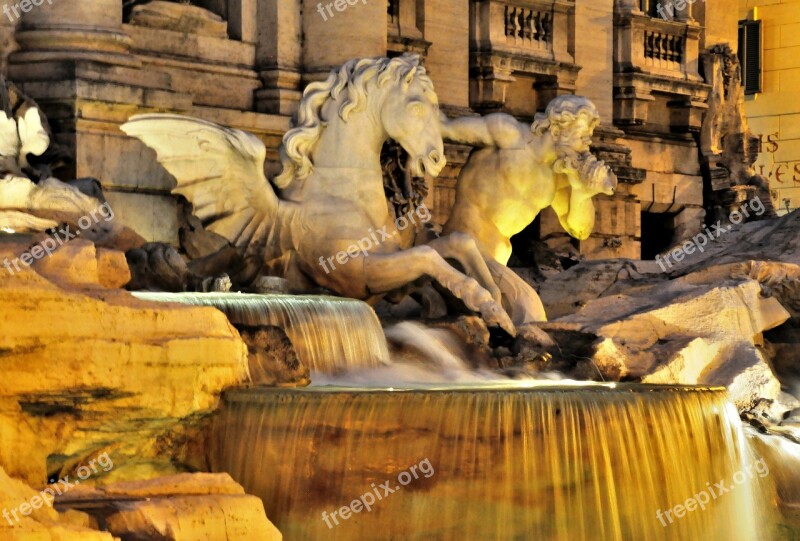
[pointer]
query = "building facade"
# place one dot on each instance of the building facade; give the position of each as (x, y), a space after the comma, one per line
(773, 105)
(244, 63)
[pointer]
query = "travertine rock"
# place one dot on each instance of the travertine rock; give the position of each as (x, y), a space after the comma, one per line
(569, 291)
(87, 368)
(112, 268)
(44, 523)
(686, 334)
(189, 518)
(744, 371)
(701, 322)
(272, 357)
(186, 507)
(79, 263)
(768, 240)
(758, 248)
(158, 267)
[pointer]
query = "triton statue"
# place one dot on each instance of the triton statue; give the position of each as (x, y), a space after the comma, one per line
(516, 171)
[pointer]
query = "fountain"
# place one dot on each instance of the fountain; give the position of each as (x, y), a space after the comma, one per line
(504, 462)
(329, 334)
(502, 459)
(378, 447)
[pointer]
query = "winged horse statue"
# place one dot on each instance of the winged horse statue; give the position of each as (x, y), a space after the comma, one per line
(330, 192)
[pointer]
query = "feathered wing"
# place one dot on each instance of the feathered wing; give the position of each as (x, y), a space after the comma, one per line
(219, 170)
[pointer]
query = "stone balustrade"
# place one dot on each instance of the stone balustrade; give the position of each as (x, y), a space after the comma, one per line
(528, 28)
(656, 64)
(656, 46)
(663, 50)
(516, 44)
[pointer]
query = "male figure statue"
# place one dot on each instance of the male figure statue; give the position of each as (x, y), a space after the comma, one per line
(515, 172)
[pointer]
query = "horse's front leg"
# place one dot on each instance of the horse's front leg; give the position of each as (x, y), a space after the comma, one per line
(463, 248)
(525, 305)
(388, 272)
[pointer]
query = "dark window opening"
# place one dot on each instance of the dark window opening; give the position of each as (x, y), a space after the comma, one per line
(651, 8)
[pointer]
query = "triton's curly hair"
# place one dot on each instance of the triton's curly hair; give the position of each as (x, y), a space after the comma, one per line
(562, 112)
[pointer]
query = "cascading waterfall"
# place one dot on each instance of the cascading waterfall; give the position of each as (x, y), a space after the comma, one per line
(329, 334)
(510, 463)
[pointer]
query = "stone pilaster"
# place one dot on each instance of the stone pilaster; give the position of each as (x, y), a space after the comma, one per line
(279, 55)
(73, 30)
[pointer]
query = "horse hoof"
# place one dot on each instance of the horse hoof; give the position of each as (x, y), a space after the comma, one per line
(495, 316)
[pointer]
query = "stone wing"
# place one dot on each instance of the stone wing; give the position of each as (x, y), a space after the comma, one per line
(219, 170)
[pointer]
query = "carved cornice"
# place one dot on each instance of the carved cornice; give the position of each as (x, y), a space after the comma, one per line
(514, 62)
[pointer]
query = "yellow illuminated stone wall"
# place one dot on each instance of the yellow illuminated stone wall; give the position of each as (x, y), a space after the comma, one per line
(774, 114)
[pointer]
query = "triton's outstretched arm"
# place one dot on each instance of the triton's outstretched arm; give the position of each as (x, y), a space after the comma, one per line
(496, 130)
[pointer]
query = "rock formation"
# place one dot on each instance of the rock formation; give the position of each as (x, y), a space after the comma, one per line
(184, 507)
(76, 348)
(272, 357)
(89, 369)
(711, 320)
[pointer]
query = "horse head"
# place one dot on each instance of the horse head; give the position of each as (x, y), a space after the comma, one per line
(410, 116)
(395, 92)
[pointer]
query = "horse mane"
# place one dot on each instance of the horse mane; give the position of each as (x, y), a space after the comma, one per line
(350, 81)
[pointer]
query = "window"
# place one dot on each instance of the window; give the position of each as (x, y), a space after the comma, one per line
(658, 8)
(750, 55)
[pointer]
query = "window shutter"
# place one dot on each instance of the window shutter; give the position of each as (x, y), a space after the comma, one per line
(750, 55)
